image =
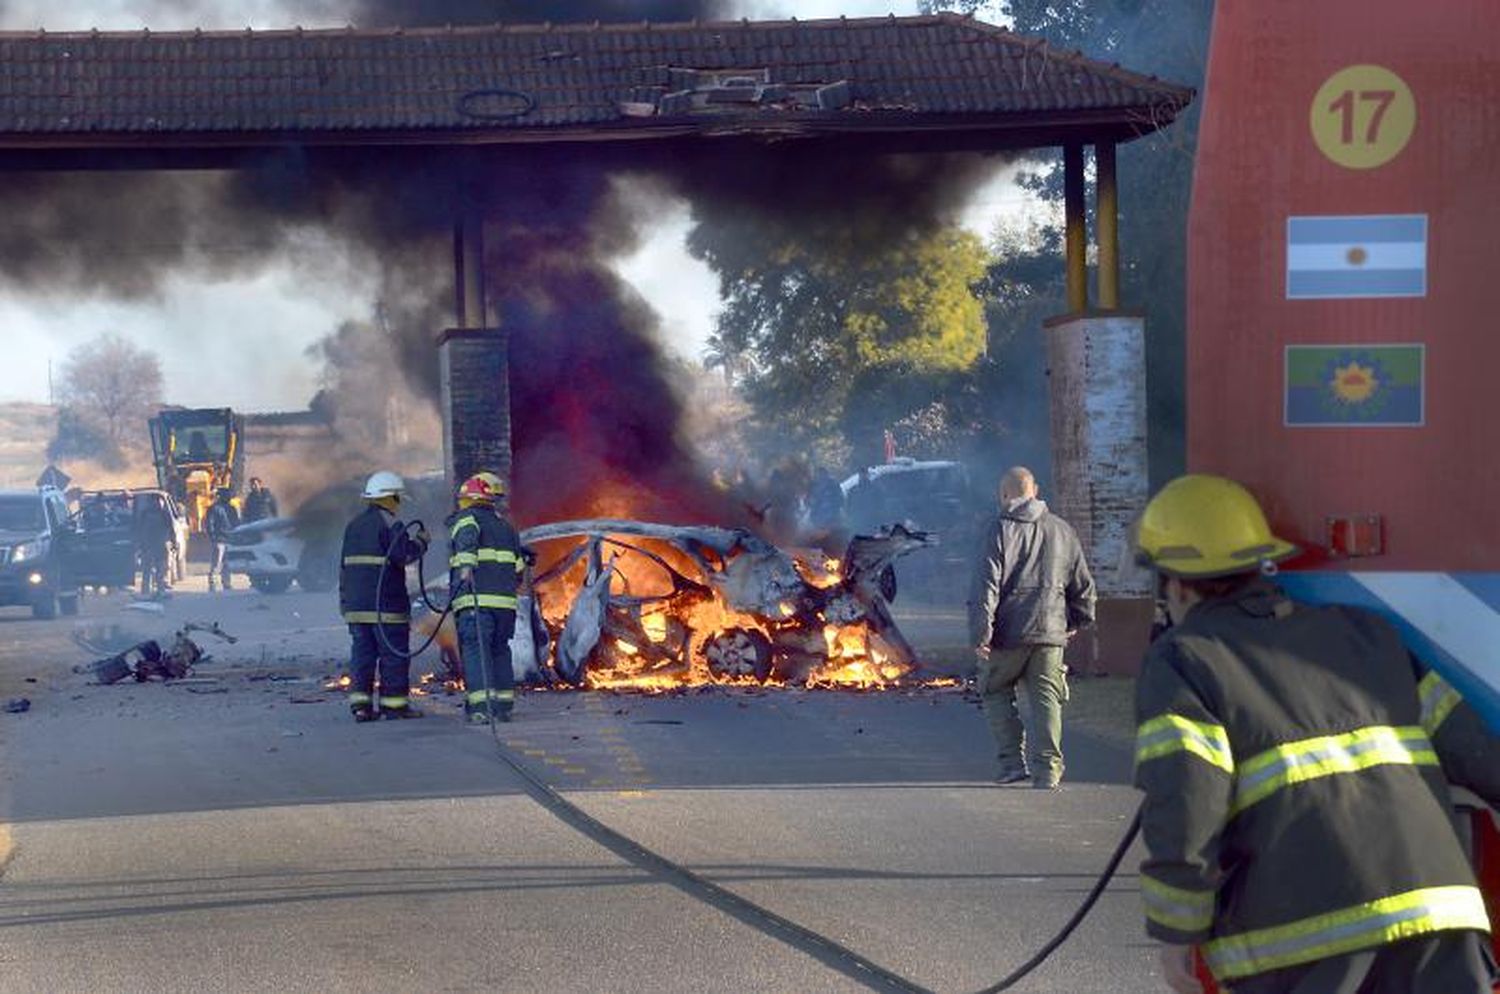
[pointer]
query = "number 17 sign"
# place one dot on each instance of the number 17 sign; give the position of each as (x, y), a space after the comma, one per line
(1363, 116)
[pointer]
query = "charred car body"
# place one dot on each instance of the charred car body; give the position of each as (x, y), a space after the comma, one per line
(636, 604)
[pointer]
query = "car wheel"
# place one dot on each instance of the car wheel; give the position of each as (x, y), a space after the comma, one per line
(271, 584)
(315, 570)
(68, 603)
(44, 606)
(737, 653)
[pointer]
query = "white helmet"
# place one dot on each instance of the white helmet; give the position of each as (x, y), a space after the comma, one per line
(384, 484)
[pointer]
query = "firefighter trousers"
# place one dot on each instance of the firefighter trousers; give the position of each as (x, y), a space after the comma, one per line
(368, 654)
(1454, 962)
(486, 632)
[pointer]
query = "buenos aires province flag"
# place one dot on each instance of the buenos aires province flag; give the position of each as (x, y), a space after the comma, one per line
(1375, 255)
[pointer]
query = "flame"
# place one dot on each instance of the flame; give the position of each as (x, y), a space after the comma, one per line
(662, 646)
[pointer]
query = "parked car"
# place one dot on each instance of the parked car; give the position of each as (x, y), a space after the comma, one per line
(936, 496)
(273, 552)
(34, 542)
(103, 550)
(269, 552)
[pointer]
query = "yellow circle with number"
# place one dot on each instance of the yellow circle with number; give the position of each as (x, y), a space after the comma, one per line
(1363, 116)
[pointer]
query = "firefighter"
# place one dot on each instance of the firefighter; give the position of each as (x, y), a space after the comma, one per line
(1297, 816)
(484, 568)
(373, 599)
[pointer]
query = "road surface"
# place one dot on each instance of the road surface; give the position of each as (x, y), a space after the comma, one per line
(237, 832)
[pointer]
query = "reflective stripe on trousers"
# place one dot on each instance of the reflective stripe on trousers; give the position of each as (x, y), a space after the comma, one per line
(466, 602)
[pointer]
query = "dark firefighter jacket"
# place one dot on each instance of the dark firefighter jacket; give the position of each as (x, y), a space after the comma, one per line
(220, 520)
(375, 544)
(1032, 585)
(481, 540)
(1295, 776)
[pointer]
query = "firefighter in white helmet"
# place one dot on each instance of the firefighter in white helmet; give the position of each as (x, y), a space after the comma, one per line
(1296, 762)
(373, 599)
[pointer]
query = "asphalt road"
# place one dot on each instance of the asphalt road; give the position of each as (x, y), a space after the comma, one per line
(237, 832)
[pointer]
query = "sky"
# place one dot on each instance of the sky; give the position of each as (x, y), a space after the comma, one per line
(210, 334)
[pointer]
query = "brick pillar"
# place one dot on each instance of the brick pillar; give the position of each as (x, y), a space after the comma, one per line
(474, 366)
(1097, 385)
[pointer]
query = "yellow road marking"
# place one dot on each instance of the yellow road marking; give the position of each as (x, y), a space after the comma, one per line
(535, 752)
(7, 847)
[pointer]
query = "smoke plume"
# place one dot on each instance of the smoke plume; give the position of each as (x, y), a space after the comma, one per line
(596, 421)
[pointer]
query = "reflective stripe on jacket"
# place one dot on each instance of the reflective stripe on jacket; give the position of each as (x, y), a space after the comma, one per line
(1296, 806)
(482, 541)
(374, 546)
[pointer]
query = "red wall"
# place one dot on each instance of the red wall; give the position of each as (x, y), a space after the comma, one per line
(1437, 486)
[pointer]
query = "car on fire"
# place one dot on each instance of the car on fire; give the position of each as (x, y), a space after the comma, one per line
(641, 604)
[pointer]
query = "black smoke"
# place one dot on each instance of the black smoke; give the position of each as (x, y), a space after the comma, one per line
(595, 413)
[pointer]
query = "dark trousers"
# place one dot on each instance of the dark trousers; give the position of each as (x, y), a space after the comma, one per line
(369, 653)
(486, 632)
(1457, 962)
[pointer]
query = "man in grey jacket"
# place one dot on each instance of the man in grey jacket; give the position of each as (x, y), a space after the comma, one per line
(1032, 591)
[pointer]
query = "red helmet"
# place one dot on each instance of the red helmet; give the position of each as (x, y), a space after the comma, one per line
(482, 488)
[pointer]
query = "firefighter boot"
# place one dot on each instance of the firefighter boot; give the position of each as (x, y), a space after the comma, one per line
(363, 712)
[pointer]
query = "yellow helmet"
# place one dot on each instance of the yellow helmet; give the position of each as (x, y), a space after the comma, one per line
(1201, 526)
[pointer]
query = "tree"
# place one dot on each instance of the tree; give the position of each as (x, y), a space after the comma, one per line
(814, 321)
(109, 388)
(1168, 38)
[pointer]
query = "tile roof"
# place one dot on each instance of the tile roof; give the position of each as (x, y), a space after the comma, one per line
(537, 81)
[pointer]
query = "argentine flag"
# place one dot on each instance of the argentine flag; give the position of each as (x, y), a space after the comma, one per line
(1376, 255)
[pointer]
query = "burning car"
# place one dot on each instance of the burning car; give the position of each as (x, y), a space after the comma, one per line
(650, 605)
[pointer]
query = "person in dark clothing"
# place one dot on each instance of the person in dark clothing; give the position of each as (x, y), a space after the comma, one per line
(154, 533)
(484, 569)
(374, 602)
(222, 518)
(1296, 765)
(1032, 590)
(260, 503)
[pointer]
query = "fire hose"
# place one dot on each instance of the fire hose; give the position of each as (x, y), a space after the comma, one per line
(442, 612)
(822, 948)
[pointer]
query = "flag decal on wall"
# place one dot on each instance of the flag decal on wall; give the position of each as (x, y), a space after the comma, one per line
(1355, 385)
(1377, 255)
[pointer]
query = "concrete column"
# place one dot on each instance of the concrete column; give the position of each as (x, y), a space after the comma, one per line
(1097, 385)
(474, 364)
(1076, 230)
(1107, 218)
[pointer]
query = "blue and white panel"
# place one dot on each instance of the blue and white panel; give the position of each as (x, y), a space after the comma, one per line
(1450, 621)
(1377, 255)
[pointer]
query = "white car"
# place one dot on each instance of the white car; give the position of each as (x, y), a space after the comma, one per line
(270, 554)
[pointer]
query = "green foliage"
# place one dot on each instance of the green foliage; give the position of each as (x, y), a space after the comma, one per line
(1167, 38)
(817, 324)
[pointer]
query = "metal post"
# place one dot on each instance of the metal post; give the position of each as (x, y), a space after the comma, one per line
(1107, 220)
(1077, 236)
(468, 272)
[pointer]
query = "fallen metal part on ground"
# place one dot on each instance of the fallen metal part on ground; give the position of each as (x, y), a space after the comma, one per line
(146, 660)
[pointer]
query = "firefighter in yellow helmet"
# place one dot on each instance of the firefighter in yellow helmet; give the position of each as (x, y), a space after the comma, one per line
(374, 602)
(485, 558)
(1297, 811)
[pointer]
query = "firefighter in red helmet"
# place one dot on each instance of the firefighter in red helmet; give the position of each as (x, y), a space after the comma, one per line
(1296, 766)
(485, 562)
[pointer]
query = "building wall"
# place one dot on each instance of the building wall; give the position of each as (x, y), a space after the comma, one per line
(1433, 485)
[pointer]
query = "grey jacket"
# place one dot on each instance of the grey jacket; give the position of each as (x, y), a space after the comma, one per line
(1032, 585)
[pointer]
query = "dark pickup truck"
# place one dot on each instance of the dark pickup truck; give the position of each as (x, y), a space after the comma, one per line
(35, 544)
